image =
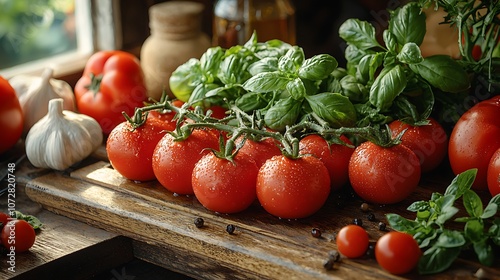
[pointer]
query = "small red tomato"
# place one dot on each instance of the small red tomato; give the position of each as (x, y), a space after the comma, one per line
(293, 188)
(4, 218)
(224, 186)
(352, 241)
(397, 252)
(11, 116)
(19, 235)
(130, 151)
(493, 175)
(173, 161)
(383, 175)
(334, 156)
(259, 151)
(428, 142)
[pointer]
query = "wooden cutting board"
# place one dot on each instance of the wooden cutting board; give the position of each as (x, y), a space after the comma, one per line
(261, 247)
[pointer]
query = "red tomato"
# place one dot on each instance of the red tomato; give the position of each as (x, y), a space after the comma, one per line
(259, 151)
(397, 252)
(474, 139)
(293, 188)
(334, 156)
(130, 151)
(218, 112)
(19, 235)
(11, 116)
(383, 175)
(493, 175)
(224, 186)
(352, 241)
(4, 218)
(112, 83)
(428, 142)
(174, 161)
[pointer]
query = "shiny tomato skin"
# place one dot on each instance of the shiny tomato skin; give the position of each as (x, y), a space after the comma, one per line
(23, 235)
(130, 151)
(397, 252)
(474, 139)
(260, 151)
(121, 88)
(334, 156)
(428, 142)
(223, 186)
(383, 175)
(352, 241)
(174, 161)
(493, 174)
(11, 116)
(4, 218)
(293, 188)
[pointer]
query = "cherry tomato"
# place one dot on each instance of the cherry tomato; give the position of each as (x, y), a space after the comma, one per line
(217, 111)
(383, 175)
(428, 142)
(397, 252)
(130, 151)
(259, 151)
(334, 156)
(11, 116)
(18, 234)
(224, 186)
(352, 241)
(474, 139)
(112, 83)
(293, 188)
(493, 174)
(4, 218)
(174, 161)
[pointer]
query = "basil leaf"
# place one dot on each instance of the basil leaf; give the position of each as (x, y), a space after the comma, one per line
(389, 84)
(492, 207)
(410, 54)
(358, 33)
(418, 206)
(353, 55)
(494, 232)
(355, 91)
(474, 230)
(390, 41)
(399, 223)
(437, 259)
(443, 72)
(210, 60)
(251, 101)
(473, 204)
(282, 114)
(318, 67)
(185, 78)
(267, 81)
(408, 24)
(292, 60)
(233, 70)
(334, 108)
(296, 89)
(450, 239)
(461, 183)
(267, 64)
(484, 252)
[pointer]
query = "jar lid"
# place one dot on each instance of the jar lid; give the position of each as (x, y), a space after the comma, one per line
(175, 16)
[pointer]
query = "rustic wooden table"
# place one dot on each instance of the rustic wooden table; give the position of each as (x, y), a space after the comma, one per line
(145, 221)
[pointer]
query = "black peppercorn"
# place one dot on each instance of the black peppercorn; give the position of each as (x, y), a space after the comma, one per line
(370, 217)
(198, 222)
(230, 229)
(381, 226)
(365, 207)
(358, 222)
(316, 232)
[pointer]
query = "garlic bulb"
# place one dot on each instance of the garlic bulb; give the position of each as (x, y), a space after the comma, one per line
(35, 92)
(62, 138)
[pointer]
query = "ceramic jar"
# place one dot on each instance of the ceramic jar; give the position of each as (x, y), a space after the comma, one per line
(175, 37)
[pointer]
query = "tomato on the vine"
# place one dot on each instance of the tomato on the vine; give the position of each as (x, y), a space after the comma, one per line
(130, 150)
(474, 139)
(352, 241)
(11, 116)
(18, 234)
(397, 252)
(429, 142)
(334, 156)
(174, 160)
(112, 83)
(225, 186)
(383, 175)
(293, 188)
(493, 174)
(260, 150)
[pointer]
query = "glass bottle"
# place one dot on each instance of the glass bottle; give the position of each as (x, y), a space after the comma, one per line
(235, 21)
(176, 36)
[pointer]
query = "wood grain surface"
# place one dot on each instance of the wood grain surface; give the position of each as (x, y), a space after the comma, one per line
(262, 246)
